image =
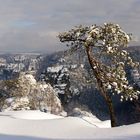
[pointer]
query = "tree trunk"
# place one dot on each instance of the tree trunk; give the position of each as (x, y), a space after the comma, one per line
(96, 70)
(111, 111)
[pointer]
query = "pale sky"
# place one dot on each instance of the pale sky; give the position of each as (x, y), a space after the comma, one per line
(33, 25)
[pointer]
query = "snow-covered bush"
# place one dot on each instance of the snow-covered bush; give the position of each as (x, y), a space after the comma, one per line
(16, 103)
(26, 93)
(43, 97)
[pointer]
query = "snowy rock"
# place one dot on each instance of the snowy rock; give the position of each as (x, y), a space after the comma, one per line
(78, 112)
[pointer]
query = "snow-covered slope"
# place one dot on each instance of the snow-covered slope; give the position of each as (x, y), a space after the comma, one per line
(31, 115)
(35, 125)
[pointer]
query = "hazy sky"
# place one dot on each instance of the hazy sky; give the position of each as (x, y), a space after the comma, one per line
(32, 25)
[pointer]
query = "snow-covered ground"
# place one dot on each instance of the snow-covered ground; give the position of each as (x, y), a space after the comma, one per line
(36, 125)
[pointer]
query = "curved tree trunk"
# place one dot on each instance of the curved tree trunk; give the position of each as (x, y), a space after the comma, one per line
(96, 70)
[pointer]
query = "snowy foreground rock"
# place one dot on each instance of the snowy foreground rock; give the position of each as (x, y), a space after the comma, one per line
(36, 125)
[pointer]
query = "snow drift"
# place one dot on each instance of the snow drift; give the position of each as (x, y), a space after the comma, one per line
(36, 125)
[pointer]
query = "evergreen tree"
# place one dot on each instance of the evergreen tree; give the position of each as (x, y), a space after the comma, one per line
(105, 47)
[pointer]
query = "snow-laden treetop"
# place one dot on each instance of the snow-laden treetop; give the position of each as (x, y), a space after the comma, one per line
(108, 44)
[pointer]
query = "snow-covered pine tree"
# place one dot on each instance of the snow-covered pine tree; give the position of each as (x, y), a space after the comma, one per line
(105, 47)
